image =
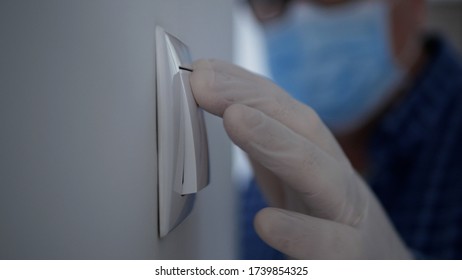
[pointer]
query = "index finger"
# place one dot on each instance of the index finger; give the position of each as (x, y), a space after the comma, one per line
(216, 85)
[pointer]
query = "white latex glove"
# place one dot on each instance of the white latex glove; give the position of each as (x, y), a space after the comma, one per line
(322, 207)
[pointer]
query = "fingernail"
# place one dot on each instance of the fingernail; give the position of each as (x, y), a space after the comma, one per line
(202, 76)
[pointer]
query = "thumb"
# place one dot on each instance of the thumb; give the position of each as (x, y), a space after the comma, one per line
(306, 237)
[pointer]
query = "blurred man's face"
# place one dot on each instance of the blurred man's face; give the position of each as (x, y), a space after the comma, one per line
(407, 17)
(347, 59)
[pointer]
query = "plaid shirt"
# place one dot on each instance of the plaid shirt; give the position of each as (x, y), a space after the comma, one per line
(416, 152)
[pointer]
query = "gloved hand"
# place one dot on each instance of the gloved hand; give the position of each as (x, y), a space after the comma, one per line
(321, 208)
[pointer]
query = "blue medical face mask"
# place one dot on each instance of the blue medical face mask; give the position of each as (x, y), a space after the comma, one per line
(337, 60)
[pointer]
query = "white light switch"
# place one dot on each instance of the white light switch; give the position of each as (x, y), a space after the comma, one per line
(183, 161)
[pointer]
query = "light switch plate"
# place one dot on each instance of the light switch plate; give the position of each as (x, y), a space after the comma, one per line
(183, 161)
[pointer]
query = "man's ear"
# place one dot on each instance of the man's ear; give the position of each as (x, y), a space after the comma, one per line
(407, 26)
(420, 9)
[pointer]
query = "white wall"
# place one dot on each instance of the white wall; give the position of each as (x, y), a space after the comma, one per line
(77, 130)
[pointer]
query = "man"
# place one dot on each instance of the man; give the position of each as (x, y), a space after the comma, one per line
(394, 103)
